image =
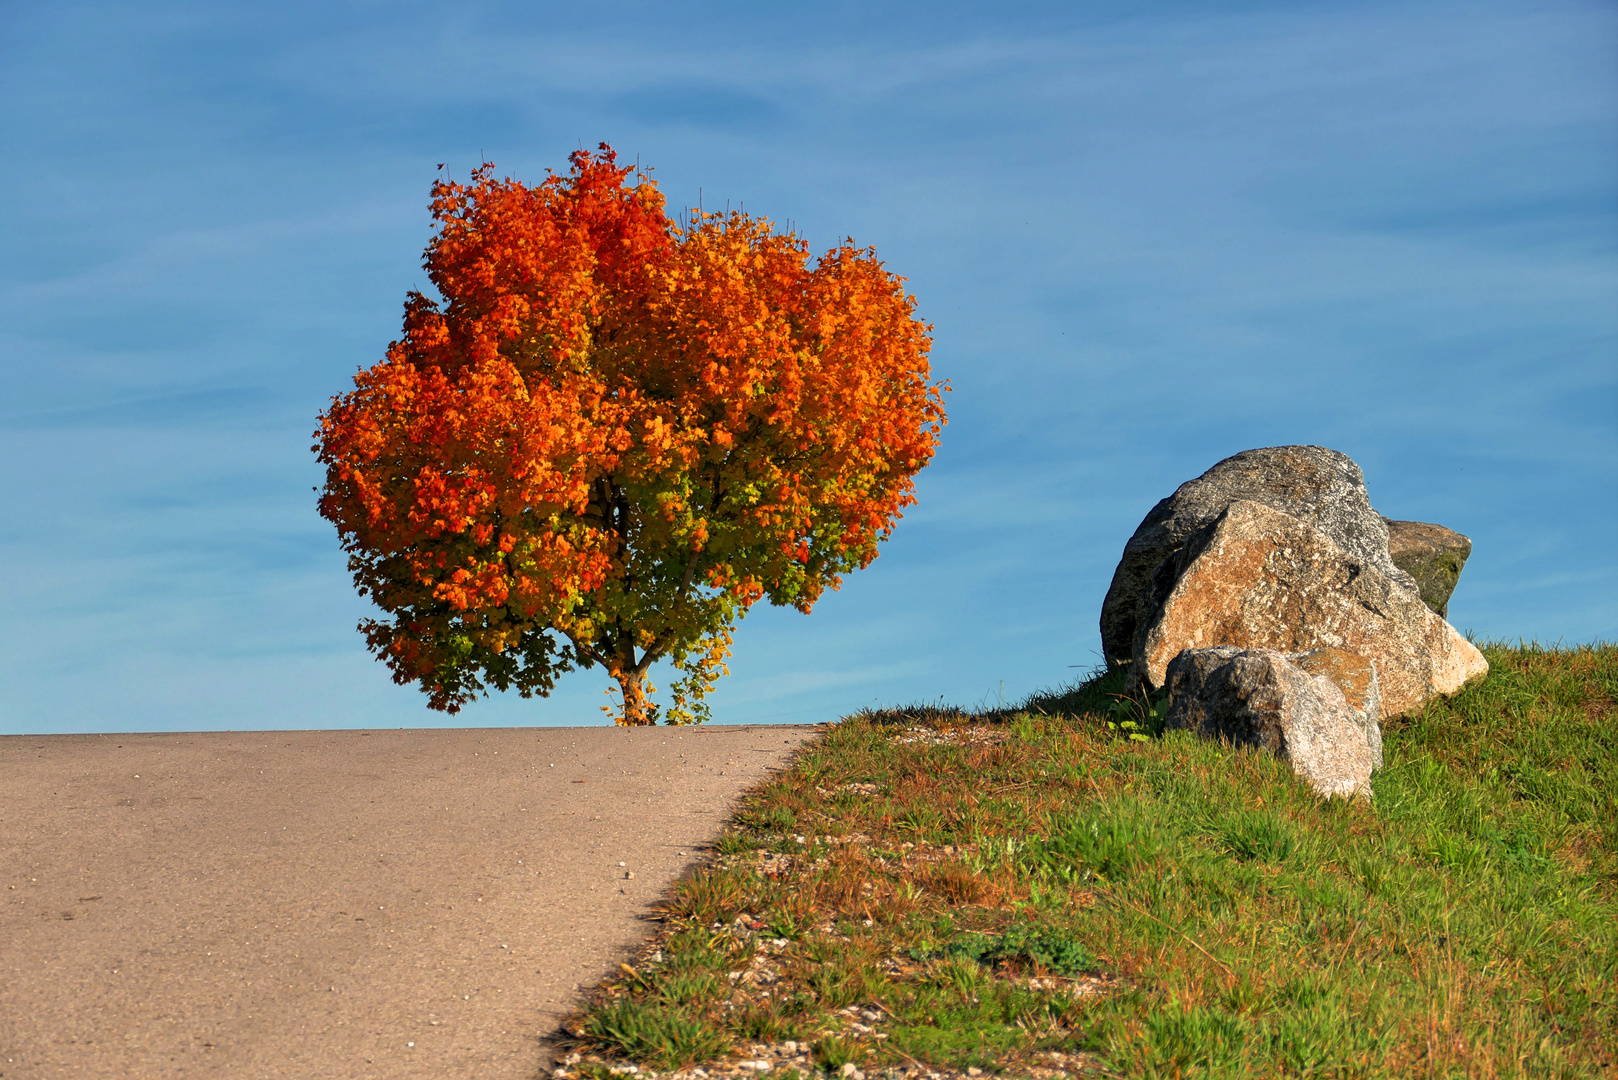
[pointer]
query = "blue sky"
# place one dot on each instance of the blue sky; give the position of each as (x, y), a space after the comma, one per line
(1148, 236)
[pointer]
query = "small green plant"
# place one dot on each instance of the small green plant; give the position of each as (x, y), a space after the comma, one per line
(1108, 845)
(656, 1035)
(1190, 1039)
(1024, 725)
(1453, 851)
(836, 985)
(692, 988)
(961, 975)
(831, 1053)
(710, 895)
(776, 819)
(765, 1022)
(1518, 847)
(697, 948)
(1371, 873)
(791, 919)
(1049, 949)
(993, 852)
(1139, 716)
(1257, 835)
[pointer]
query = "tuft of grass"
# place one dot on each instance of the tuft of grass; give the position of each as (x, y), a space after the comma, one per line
(1059, 888)
(1258, 835)
(664, 1037)
(831, 1053)
(710, 895)
(1106, 844)
(766, 1021)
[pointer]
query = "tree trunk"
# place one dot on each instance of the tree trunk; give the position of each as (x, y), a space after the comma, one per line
(637, 712)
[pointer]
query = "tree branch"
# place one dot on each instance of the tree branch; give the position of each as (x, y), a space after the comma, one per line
(585, 651)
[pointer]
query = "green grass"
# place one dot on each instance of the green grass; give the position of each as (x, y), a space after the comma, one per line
(1059, 888)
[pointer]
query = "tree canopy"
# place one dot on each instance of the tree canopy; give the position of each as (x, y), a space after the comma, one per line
(615, 433)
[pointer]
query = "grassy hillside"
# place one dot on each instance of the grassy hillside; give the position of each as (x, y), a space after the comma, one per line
(1058, 889)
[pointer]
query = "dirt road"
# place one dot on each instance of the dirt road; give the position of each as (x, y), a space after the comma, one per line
(337, 904)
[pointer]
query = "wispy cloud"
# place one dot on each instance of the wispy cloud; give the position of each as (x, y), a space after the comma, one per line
(1148, 238)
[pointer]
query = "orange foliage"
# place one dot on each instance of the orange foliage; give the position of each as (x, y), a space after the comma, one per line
(615, 435)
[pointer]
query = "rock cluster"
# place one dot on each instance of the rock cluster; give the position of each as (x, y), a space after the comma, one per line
(1258, 578)
(1267, 598)
(1322, 488)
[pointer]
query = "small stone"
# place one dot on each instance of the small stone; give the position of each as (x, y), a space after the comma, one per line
(849, 1068)
(973, 1070)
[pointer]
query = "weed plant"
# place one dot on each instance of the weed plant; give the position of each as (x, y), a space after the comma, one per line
(1044, 890)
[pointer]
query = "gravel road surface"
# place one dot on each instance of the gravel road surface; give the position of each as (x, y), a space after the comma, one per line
(338, 904)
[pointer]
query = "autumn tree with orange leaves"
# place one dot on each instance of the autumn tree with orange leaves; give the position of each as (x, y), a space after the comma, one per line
(615, 434)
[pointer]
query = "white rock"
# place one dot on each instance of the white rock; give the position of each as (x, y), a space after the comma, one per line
(1316, 710)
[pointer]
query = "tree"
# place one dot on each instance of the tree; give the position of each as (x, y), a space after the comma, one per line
(615, 434)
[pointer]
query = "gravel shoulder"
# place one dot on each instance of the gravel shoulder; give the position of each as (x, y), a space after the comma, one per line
(401, 903)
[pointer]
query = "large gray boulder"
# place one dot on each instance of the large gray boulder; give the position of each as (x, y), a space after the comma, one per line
(1431, 554)
(1319, 487)
(1315, 710)
(1257, 578)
